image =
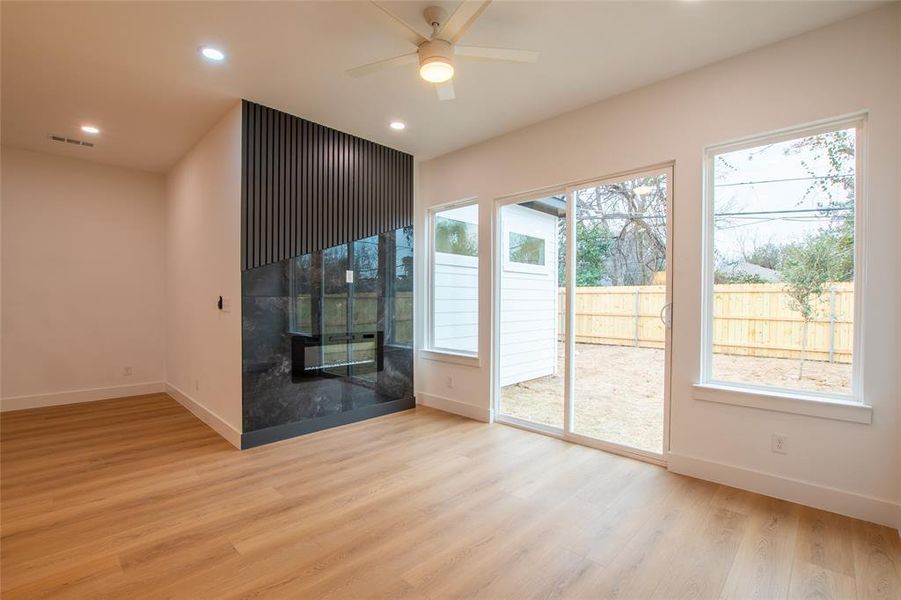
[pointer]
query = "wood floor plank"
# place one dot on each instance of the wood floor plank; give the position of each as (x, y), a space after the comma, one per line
(877, 562)
(763, 563)
(135, 498)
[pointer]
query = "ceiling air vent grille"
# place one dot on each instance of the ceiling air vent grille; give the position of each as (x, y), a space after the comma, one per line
(67, 140)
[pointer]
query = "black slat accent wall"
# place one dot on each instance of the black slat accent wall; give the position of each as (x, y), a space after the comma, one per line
(307, 187)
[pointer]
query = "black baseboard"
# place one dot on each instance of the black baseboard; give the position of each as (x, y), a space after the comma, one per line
(260, 437)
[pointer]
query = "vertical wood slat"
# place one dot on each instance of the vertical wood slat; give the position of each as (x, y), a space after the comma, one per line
(306, 187)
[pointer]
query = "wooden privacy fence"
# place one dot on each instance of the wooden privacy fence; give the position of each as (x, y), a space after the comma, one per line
(749, 319)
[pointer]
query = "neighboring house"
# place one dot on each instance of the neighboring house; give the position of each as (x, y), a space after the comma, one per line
(746, 270)
(528, 289)
(528, 295)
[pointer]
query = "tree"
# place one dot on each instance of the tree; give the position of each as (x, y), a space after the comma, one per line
(593, 245)
(628, 222)
(768, 255)
(456, 237)
(806, 269)
(838, 186)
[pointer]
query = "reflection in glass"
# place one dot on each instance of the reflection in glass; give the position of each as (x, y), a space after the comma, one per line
(401, 330)
(329, 332)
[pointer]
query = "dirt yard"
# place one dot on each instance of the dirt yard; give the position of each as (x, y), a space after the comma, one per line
(619, 390)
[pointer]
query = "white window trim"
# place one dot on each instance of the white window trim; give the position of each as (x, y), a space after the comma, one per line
(430, 351)
(794, 402)
(846, 407)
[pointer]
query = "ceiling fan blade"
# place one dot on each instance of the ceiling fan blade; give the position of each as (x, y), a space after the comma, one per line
(446, 90)
(414, 36)
(462, 19)
(397, 61)
(501, 54)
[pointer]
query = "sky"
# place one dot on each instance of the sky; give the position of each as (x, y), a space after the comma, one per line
(766, 179)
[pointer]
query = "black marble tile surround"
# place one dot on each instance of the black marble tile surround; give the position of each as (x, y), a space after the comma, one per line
(310, 295)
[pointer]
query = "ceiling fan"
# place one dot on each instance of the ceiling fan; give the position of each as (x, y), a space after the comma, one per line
(436, 54)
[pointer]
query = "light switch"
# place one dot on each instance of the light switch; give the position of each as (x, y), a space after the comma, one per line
(349, 276)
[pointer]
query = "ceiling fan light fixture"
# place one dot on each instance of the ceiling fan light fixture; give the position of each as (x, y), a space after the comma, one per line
(436, 70)
(436, 61)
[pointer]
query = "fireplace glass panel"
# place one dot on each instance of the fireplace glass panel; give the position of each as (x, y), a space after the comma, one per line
(329, 332)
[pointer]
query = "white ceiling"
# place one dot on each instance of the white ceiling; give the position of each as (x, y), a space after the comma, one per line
(133, 68)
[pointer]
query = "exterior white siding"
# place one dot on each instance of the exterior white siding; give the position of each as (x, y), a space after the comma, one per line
(456, 320)
(528, 298)
(528, 340)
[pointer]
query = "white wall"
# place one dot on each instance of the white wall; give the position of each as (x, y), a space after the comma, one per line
(83, 280)
(847, 67)
(203, 262)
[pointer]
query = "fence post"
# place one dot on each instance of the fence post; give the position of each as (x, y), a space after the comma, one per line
(637, 317)
(832, 324)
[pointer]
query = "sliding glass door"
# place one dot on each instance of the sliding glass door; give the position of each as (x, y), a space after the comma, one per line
(582, 312)
(620, 310)
(532, 291)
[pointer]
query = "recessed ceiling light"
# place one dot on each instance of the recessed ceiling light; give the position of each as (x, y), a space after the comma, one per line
(212, 53)
(397, 125)
(90, 129)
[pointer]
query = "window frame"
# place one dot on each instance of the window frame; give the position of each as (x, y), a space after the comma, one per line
(430, 349)
(824, 404)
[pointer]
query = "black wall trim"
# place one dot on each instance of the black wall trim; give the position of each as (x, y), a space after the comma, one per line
(307, 187)
(289, 430)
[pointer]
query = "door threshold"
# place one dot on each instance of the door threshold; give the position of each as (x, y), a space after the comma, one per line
(574, 438)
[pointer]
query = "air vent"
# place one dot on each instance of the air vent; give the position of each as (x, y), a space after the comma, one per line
(73, 141)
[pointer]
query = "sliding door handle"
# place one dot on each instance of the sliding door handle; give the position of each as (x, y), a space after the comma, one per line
(666, 315)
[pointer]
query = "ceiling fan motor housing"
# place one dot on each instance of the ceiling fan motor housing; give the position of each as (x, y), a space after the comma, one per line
(436, 50)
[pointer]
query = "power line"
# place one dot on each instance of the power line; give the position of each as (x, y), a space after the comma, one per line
(782, 212)
(737, 215)
(814, 178)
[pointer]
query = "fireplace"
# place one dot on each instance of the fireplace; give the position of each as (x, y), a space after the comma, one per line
(328, 337)
(336, 355)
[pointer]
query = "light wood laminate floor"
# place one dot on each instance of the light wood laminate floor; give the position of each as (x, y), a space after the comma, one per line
(136, 498)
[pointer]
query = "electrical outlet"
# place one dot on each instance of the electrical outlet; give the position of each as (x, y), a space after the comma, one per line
(450, 382)
(779, 444)
(128, 371)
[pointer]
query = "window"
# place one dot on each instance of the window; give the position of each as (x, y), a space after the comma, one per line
(454, 280)
(781, 283)
(526, 249)
(453, 236)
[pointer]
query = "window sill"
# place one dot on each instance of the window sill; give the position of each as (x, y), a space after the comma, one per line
(798, 404)
(469, 360)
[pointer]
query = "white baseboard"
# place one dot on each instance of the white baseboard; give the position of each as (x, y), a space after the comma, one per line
(76, 396)
(454, 406)
(875, 510)
(215, 422)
